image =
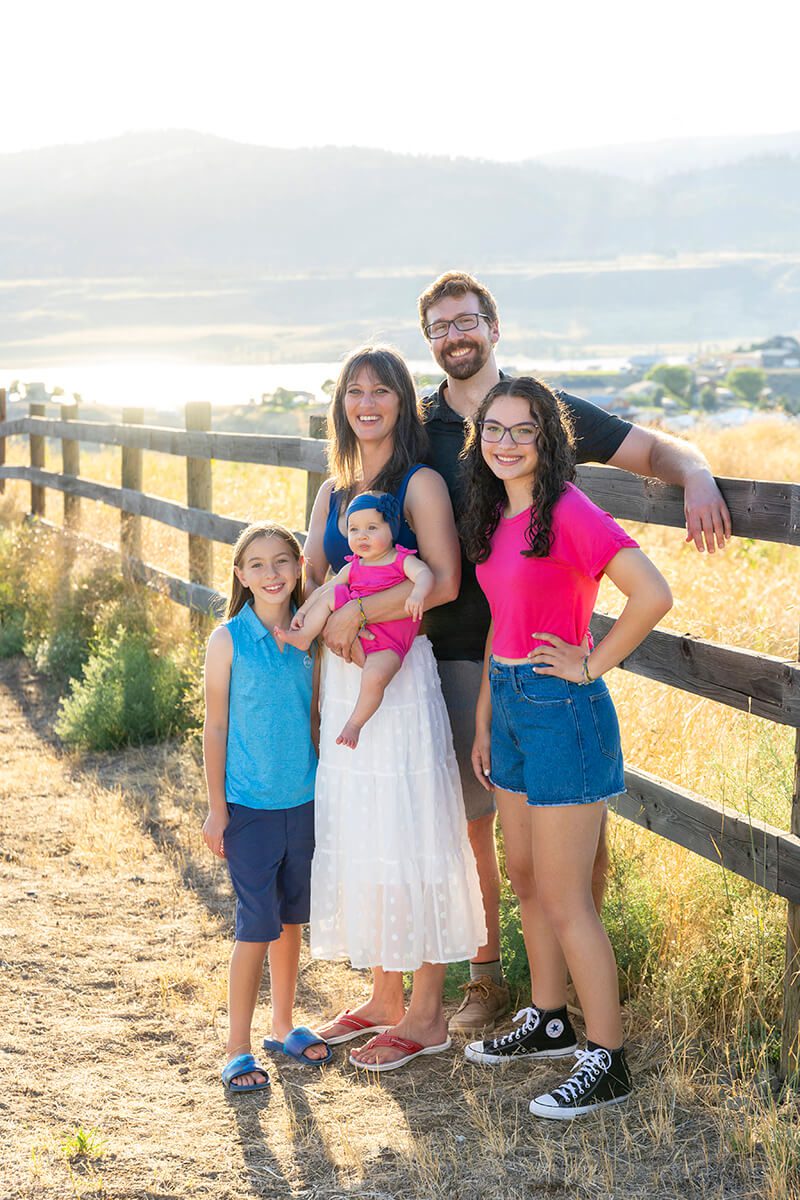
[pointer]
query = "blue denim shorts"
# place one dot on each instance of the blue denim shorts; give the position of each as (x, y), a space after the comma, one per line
(553, 741)
(269, 854)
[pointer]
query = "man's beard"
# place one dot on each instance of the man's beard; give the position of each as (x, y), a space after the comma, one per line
(469, 365)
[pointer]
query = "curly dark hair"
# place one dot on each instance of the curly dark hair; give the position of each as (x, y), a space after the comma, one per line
(486, 494)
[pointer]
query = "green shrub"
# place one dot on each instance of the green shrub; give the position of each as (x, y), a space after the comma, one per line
(12, 635)
(129, 694)
(80, 611)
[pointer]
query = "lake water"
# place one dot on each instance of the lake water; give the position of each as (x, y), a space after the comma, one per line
(171, 385)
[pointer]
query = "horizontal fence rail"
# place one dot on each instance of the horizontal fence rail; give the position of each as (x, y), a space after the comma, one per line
(748, 847)
(140, 504)
(757, 683)
(767, 511)
(271, 450)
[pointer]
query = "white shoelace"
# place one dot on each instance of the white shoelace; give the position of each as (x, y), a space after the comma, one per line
(591, 1065)
(530, 1018)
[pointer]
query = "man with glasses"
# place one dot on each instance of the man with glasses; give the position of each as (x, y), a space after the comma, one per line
(460, 322)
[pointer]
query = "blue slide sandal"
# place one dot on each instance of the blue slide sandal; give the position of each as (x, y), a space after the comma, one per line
(243, 1064)
(298, 1041)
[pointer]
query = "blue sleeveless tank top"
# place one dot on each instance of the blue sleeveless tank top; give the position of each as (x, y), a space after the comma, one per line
(270, 760)
(334, 543)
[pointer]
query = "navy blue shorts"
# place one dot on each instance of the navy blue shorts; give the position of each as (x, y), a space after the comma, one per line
(269, 854)
(553, 741)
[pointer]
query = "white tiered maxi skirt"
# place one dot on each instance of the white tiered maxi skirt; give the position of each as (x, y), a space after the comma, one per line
(393, 881)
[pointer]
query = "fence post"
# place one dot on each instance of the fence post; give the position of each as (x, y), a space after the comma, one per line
(3, 413)
(790, 1033)
(130, 526)
(70, 465)
(198, 495)
(37, 460)
(317, 428)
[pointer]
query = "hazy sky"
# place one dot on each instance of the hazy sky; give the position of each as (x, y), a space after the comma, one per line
(443, 76)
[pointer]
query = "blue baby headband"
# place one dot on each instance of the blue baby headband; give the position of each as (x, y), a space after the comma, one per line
(386, 505)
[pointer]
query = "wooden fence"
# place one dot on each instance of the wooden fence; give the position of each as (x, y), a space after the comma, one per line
(755, 683)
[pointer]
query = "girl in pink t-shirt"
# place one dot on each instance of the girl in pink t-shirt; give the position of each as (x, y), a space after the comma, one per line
(546, 733)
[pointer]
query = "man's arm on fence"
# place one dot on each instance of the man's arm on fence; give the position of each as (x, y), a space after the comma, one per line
(650, 452)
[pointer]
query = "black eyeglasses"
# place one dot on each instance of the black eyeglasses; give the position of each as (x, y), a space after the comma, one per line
(522, 434)
(463, 323)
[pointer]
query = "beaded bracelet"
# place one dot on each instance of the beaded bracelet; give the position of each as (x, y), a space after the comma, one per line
(587, 678)
(360, 604)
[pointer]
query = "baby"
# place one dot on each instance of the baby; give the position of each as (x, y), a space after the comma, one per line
(373, 522)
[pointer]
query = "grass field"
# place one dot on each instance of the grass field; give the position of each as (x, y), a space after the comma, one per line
(701, 951)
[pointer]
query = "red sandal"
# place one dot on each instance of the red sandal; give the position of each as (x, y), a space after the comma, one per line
(412, 1049)
(356, 1027)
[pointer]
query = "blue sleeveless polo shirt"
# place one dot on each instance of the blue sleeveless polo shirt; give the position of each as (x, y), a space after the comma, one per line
(334, 543)
(270, 761)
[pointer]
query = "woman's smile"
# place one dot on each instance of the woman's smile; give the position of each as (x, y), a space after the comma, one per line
(371, 407)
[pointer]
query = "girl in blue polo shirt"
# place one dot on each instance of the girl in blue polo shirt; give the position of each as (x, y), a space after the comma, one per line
(260, 767)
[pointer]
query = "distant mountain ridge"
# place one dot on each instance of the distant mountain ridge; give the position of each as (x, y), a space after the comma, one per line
(191, 245)
(646, 161)
(184, 202)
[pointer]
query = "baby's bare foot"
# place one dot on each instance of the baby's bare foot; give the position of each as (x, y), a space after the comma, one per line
(294, 637)
(349, 736)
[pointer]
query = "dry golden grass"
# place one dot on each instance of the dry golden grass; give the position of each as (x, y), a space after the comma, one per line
(116, 941)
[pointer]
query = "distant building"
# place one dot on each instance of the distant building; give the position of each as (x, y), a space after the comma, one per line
(779, 352)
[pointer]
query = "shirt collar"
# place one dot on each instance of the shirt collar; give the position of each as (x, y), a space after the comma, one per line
(252, 624)
(443, 410)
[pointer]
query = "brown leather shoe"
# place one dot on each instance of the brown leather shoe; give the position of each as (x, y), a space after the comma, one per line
(484, 1004)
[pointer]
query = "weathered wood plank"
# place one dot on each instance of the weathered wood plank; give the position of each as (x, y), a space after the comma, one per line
(14, 427)
(188, 520)
(198, 496)
(273, 450)
(37, 452)
(317, 428)
(194, 596)
(767, 511)
(71, 465)
(750, 848)
(132, 479)
(743, 679)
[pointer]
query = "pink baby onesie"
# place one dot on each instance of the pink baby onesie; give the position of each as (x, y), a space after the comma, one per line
(366, 580)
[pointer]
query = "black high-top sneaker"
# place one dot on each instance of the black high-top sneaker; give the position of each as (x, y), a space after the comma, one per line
(540, 1035)
(601, 1077)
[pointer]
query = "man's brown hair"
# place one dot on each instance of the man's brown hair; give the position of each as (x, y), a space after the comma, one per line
(455, 284)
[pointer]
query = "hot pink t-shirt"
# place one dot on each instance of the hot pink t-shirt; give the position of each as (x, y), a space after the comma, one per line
(554, 594)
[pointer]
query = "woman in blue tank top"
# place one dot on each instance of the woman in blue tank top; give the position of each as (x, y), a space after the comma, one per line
(394, 884)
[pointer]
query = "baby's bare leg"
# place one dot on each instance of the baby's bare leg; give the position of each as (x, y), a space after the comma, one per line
(379, 670)
(314, 620)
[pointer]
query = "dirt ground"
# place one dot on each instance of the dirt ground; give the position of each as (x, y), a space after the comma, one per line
(114, 940)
